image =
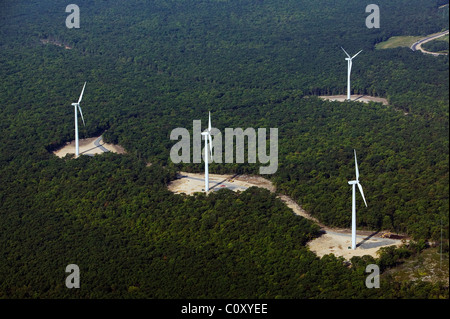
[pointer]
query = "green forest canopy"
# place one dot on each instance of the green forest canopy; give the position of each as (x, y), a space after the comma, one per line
(154, 66)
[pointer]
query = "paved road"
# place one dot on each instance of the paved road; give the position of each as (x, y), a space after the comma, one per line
(417, 46)
(100, 146)
(97, 145)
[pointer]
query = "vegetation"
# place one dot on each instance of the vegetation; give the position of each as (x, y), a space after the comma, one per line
(428, 265)
(438, 45)
(398, 41)
(154, 66)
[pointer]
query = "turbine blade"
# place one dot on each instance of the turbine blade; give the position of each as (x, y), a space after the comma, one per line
(79, 108)
(210, 145)
(82, 91)
(345, 52)
(362, 193)
(209, 122)
(356, 54)
(356, 167)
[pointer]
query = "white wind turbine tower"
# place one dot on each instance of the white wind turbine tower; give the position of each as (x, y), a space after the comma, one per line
(207, 134)
(349, 70)
(354, 183)
(77, 105)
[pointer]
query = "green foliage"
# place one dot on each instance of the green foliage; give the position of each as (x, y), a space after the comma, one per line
(154, 66)
(436, 46)
(391, 256)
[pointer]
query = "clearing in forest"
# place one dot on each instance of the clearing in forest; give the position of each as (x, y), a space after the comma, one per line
(332, 241)
(355, 98)
(397, 42)
(89, 146)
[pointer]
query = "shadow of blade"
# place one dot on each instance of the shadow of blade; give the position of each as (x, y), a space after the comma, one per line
(367, 238)
(93, 149)
(359, 97)
(219, 183)
(223, 181)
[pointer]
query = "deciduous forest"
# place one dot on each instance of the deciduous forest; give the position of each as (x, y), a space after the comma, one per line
(153, 66)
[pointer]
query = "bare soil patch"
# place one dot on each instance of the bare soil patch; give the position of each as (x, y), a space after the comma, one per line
(57, 43)
(339, 243)
(87, 146)
(190, 183)
(258, 181)
(355, 98)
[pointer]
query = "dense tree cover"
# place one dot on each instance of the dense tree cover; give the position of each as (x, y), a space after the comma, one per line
(436, 46)
(132, 238)
(316, 161)
(152, 66)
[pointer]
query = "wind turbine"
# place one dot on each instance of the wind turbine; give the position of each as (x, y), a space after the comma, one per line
(354, 183)
(77, 150)
(349, 70)
(207, 134)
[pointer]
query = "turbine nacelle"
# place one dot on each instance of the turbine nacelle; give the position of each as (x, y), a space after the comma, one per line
(77, 105)
(207, 135)
(354, 183)
(349, 68)
(348, 55)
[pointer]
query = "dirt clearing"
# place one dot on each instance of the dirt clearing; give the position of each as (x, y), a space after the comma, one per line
(355, 98)
(90, 147)
(339, 243)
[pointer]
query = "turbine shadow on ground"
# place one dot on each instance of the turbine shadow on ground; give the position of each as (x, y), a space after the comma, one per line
(367, 238)
(86, 151)
(359, 97)
(223, 181)
(97, 146)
